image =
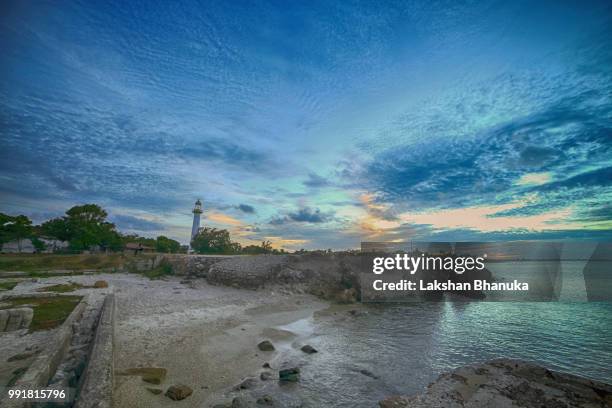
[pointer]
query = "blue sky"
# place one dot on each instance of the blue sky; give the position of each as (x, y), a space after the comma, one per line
(312, 124)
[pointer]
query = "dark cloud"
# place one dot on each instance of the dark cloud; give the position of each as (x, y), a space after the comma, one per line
(128, 222)
(245, 208)
(484, 168)
(303, 215)
(316, 181)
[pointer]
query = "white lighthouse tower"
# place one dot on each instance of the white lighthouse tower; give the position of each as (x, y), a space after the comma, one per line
(197, 210)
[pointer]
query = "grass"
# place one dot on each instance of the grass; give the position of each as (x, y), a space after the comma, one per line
(61, 288)
(41, 262)
(164, 269)
(70, 287)
(8, 285)
(49, 312)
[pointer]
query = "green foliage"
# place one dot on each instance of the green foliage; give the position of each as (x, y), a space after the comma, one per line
(167, 245)
(85, 227)
(38, 244)
(264, 248)
(34, 263)
(214, 241)
(163, 269)
(48, 312)
(15, 228)
(8, 285)
(57, 228)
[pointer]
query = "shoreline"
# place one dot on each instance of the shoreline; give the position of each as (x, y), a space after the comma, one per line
(206, 338)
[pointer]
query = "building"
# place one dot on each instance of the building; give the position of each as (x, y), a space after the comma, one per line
(197, 211)
(137, 248)
(22, 246)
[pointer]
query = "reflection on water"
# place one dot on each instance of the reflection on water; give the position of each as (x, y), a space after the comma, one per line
(407, 346)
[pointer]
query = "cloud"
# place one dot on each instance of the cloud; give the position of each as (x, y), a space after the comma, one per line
(224, 219)
(245, 208)
(528, 179)
(303, 215)
(316, 181)
(131, 223)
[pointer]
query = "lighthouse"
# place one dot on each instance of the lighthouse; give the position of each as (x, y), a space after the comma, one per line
(197, 210)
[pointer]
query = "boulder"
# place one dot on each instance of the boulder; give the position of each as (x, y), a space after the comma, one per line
(246, 384)
(265, 376)
(100, 284)
(308, 349)
(178, 392)
(395, 401)
(265, 400)
(289, 375)
(266, 346)
(505, 383)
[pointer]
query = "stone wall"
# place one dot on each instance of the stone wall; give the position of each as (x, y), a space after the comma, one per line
(98, 378)
(196, 266)
(45, 364)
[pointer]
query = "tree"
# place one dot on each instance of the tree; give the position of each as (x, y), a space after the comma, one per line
(88, 227)
(264, 248)
(214, 241)
(167, 245)
(14, 228)
(57, 228)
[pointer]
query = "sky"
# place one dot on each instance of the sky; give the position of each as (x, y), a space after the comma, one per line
(314, 124)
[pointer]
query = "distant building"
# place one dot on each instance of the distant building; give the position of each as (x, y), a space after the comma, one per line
(137, 248)
(54, 245)
(23, 246)
(195, 227)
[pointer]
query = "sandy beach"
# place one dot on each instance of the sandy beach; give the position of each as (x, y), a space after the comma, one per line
(205, 336)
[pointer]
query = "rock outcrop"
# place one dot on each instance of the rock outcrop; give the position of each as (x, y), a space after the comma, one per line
(178, 392)
(507, 383)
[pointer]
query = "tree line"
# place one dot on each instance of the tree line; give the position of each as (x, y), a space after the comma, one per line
(84, 227)
(218, 241)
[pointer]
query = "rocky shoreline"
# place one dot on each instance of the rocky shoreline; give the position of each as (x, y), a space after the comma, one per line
(507, 383)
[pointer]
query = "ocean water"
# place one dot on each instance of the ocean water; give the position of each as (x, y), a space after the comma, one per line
(408, 345)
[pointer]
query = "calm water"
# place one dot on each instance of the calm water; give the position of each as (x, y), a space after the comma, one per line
(408, 345)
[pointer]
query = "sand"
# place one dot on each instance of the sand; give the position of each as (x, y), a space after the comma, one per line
(206, 337)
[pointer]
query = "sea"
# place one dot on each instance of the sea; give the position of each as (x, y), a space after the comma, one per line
(389, 349)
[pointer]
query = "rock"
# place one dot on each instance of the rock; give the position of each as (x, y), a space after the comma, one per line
(265, 400)
(155, 391)
(246, 384)
(368, 374)
(21, 356)
(266, 365)
(266, 346)
(308, 349)
(394, 401)
(289, 375)
(100, 284)
(505, 383)
(346, 296)
(241, 402)
(178, 392)
(265, 376)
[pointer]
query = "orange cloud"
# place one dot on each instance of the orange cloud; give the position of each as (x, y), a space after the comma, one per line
(225, 219)
(482, 218)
